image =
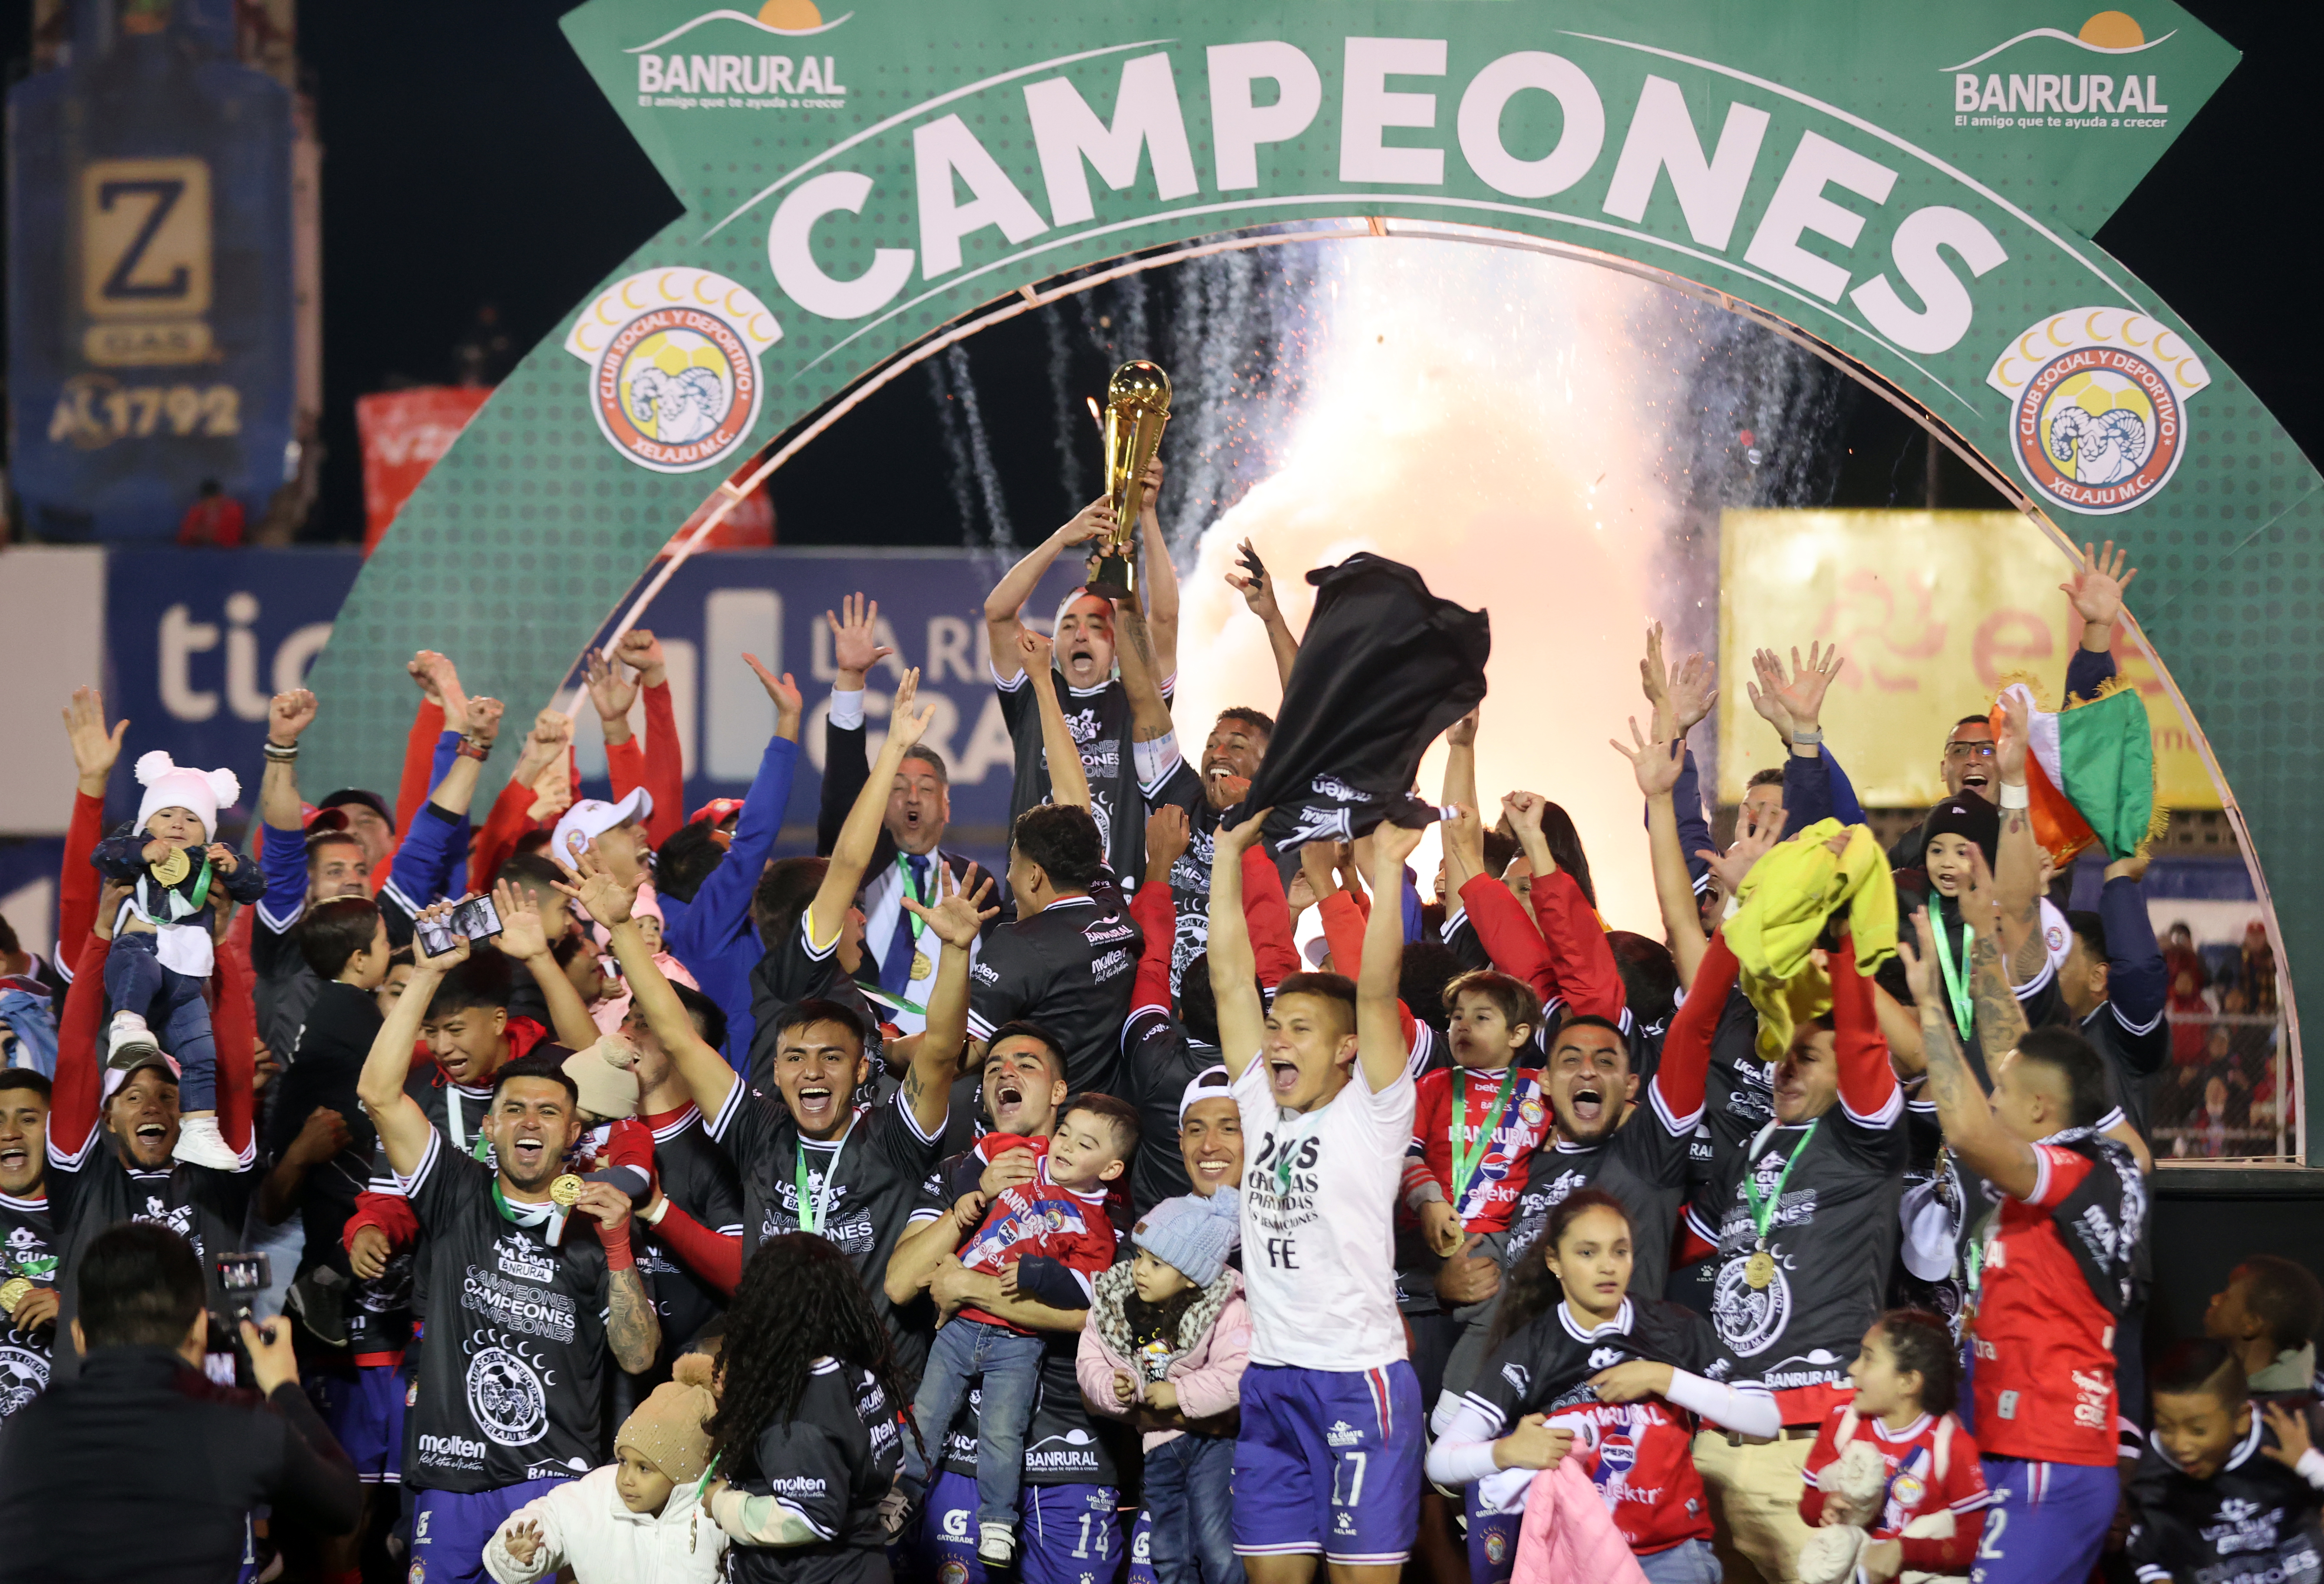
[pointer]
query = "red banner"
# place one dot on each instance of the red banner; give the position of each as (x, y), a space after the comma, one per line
(403, 432)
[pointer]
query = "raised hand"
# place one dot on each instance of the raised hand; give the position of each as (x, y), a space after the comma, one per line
(1233, 840)
(1033, 651)
(440, 680)
(94, 749)
(1256, 588)
(782, 690)
(1462, 733)
(1656, 764)
(523, 935)
(1653, 676)
(1802, 696)
(553, 793)
(640, 649)
(853, 649)
(2016, 736)
(1754, 840)
(1981, 896)
(1919, 956)
(1691, 694)
(1095, 518)
(609, 690)
(956, 916)
(1766, 694)
(443, 961)
(287, 716)
(1392, 844)
(543, 745)
(485, 719)
(2098, 584)
(1524, 810)
(606, 900)
(1168, 837)
(908, 720)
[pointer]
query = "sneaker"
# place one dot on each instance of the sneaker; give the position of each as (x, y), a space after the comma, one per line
(131, 1037)
(996, 1545)
(319, 1299)
(200, 1143)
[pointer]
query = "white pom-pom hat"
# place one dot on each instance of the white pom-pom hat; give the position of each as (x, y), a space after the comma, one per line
(169, 784)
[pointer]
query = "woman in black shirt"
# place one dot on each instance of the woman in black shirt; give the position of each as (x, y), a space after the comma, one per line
(809, 1410)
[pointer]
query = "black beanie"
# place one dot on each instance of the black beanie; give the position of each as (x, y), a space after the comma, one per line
(1966, 814)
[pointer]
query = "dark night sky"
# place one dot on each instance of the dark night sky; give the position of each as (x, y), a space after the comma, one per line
(469, 160)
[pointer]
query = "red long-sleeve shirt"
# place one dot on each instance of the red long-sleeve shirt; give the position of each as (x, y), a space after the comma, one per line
(79, 885)
(658, 766)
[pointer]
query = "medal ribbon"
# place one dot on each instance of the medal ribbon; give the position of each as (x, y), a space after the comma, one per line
(821, 1201)
(1956, 977)
(201, 890)
(1465, 1161)
(530, 1215)
(1763, 1210)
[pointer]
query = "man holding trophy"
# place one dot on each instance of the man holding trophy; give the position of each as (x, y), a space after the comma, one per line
(1097, 706)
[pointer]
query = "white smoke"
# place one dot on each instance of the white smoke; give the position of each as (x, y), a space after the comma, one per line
(1506, 422)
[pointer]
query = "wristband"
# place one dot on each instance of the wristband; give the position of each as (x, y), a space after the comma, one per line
(652, 1218)
(1808, 739)
(2017, 797)
(472, 749)
(617, 1247)
(281, 752)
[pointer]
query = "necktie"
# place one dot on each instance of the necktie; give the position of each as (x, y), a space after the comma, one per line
(896, 964)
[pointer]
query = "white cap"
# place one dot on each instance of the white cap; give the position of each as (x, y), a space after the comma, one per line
(169, 784)
(591, 818)
(1212, 1082)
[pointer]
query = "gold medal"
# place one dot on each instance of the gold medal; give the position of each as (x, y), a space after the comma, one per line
(566, 1192)
(176, 867)
(13, 1292)
(1758, 1270)
(921, 966)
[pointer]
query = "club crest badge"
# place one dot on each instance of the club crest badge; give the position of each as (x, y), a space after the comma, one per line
(673, 358)
(2099, 406)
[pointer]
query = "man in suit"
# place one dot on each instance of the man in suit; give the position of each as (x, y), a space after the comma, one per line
(912, 832)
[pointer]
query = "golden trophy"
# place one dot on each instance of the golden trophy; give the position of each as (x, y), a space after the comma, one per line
(1137, 407)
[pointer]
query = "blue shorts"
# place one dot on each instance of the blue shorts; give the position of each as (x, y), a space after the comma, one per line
(1066, 1534)
(450, 1530)
(1329, 1461)
(1492, 1542)
(1141, 1550)
(2043, 1522)
(363, 1405)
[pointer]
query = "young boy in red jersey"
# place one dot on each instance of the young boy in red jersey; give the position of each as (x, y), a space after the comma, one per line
(1474, 1129)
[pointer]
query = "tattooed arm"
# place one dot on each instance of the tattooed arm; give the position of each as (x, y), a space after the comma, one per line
(633, 1328)
(1975, 1135)
(2017, 864)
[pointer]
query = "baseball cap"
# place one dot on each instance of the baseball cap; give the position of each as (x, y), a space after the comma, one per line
(717, 811)
(124, 1063)
(1212, 1082)
(591, 818)
(371, 800)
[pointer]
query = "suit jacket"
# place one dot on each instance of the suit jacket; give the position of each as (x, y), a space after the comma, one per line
(846, 766)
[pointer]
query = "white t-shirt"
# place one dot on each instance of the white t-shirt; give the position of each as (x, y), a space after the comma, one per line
(1319, 1240)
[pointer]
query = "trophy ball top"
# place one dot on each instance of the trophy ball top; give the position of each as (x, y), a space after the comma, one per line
(1138, 383)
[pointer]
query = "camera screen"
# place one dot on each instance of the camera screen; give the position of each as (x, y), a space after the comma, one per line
(239, 1274)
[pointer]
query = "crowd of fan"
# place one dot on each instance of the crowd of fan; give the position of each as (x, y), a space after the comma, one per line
(671, 1209)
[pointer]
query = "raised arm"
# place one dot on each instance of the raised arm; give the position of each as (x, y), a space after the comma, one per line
(1141, 673)
(854, 652)
(1158, 592)
(1976, 1137)
(1462, 839)
(1003, 605)
(1807, 784)
(1580, 960)
(404, 1129)
(1657, 766)
(2095, 590)
(956, 918)
(1380, 1015)
(288, 715)
(2017, 870)
(1234, 969)
(722, 902)
(852, 854)
(1257, 591)
(76, 1102)
(93, 750)
(424, 860)
(524, 936)
(1068, 780)
(608, 901)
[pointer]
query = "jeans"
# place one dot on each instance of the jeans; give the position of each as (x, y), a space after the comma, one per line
(1011, 1365)
(1690, 1561)
(1190, 1495)
(172, 1006)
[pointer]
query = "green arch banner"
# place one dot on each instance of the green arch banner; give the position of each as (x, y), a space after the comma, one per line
(1914, 186)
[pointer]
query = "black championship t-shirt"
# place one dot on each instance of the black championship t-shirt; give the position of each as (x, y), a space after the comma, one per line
(1098, 719)
(1739, 1099)
(702, 1182)
(2254, 1522)
(1644, 1164)
(92, 1190)
(1190, 875)
(1832, 1233)
(1161, 1058)
(831, 1463)
(1070, 968)
(864, 1202)
(26, 1251)
(793, 971)
(512, 1385)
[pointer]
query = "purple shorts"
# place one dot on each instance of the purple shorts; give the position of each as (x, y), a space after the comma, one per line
(363, 1405)
(1329, 1461)
(1066, 1534)
(1141, 1550)
(450, 1530)
(2043, 1522)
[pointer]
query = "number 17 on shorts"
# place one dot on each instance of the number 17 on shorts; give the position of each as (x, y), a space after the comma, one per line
(1329, 1462)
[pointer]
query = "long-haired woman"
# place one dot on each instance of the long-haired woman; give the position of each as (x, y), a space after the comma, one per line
(809, 1410)
(1578, 1367)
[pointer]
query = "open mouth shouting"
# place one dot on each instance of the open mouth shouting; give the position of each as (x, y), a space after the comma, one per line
(14, 1156)
(1008, 1101)
(1283, 1074)
(816, 1106)
(1588, 1100)
(1978, 778)
(526, 1154)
